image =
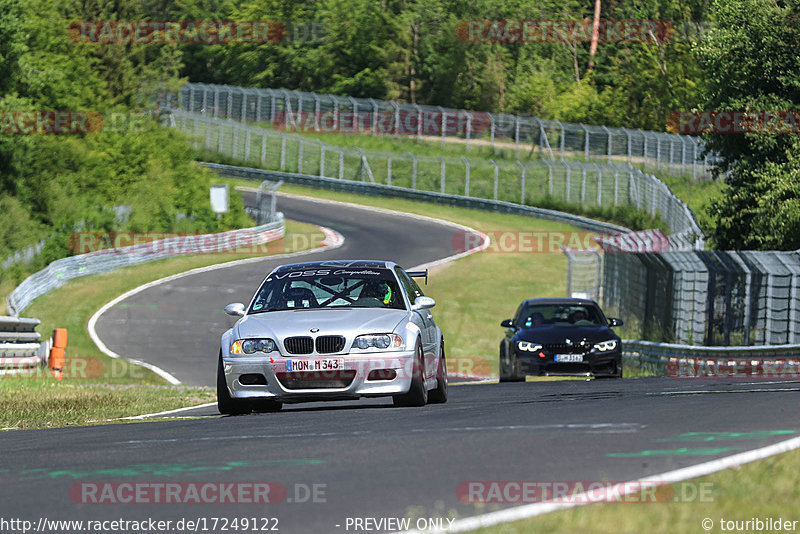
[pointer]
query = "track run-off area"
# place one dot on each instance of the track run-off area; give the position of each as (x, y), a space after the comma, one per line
(328, 464)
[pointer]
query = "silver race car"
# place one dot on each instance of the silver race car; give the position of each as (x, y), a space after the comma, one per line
(331, 331)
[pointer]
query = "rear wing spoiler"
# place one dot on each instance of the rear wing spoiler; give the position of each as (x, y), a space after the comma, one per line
(419, 274)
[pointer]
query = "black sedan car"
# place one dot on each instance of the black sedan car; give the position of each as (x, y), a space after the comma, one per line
(560, 336)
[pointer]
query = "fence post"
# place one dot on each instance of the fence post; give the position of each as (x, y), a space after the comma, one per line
(496, 178)
(466, 176)
(616, 186)
(317, 111)
(235, 141)
(243, 117)
(247, 139)
(413, 170)
(287, 110)
(694, 159)
(396, 118)
(469, 129)
(442, 172)
(272, 105)
(491, 130)
(341, 164)
(321, 158)
(610, 140)
(644, 148)
(355, 113)
(219, 138)
(516, 136)
(583, 184)
(204, 110)
(335, 113)
(522, 180)
(229, 108)
(444, 124)
(563, 138)
(658, 153)
(630, 152)
(283, 151)
(263, 149)
(599, 185)
(374, 116)
(216, 103)
(388, 168)
(191, 96)
(585, 142)
(419, 122)
(207, 125)
(299, 154)
(568, 184)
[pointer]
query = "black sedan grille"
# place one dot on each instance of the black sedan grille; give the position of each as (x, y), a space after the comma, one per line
(330, 344)
(299, 345)
(563, 348)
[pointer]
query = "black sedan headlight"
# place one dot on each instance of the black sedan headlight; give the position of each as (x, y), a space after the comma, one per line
(528, 346)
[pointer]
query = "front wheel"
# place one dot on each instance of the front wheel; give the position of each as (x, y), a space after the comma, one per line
(509, 372)
(417, 394)
(439, 395)
(226, 404)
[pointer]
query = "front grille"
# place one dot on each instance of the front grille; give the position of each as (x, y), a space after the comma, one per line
(329, 344)
(563, 348)
(316, 379)
(299, 345)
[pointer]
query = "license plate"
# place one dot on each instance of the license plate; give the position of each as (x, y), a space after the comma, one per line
(322, 364)
(566, 358)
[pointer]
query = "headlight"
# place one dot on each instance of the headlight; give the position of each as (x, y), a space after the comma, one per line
(251, 346)
(528, 346)
(604, 346)
(378, 341)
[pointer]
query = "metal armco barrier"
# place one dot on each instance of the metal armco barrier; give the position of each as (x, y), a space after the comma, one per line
(21, 348)
(60, 271)
(696, 361)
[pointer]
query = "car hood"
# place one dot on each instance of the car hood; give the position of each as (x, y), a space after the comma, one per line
(342, 321)
(557, 334)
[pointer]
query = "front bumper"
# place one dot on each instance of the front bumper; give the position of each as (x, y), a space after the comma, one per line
(594, 363)
(278, 383)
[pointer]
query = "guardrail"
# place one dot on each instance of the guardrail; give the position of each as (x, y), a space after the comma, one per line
(732, 362)
(21, 348)
(60, 271)
(296, 110)
(572, 182)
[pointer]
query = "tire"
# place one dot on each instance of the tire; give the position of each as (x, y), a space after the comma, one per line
(417, 394)
(617, 373)
(266, 405)
(509, 374)
(439, 395)
(226, 404)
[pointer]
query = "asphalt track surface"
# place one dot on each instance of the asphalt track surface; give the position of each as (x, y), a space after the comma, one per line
(369, 458)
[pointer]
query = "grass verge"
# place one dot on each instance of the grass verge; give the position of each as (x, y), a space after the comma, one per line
(96, 386)
(770, 486)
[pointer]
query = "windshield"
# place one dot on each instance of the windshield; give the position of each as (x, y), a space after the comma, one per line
(327, 289)
(560, 314)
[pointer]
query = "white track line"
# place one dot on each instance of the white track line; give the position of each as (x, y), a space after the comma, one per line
(168, 412)
(607, 494)
(333, 240)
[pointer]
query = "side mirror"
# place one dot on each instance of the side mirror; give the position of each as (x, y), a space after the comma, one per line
(613, 321)
(236, 309)
(423, 303)
(508, 323)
